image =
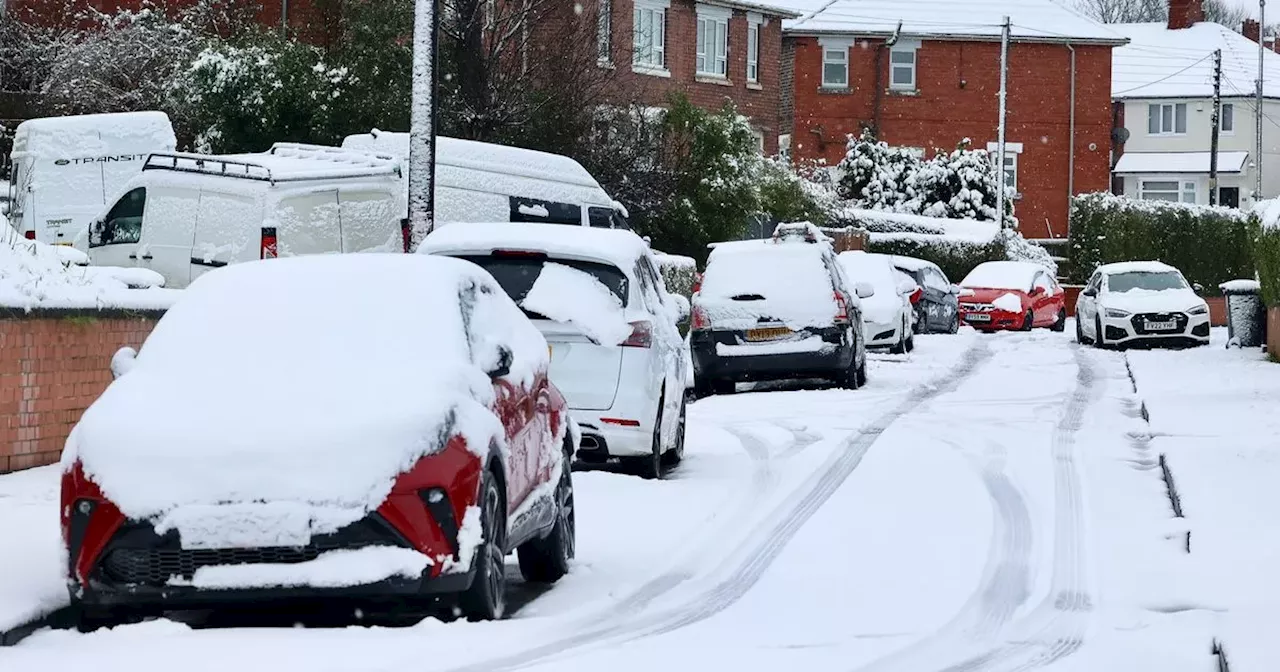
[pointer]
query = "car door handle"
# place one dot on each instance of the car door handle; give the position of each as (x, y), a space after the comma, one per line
(148, 257)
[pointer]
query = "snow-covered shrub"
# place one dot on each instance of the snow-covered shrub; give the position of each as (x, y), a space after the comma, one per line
(885, 222)
(954, 256)
(785, 196)
(1266, 250)
(877, 176)
(677, 273)
(1017, 248)
(1211, 245)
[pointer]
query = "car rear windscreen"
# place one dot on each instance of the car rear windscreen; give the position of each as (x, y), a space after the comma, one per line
(517, 273)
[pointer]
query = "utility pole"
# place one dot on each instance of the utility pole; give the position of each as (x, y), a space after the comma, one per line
(422, 122)
(1000, 132)
(1217, 127)
(1262, 52)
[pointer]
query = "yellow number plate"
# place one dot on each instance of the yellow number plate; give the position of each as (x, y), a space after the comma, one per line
(768, 334)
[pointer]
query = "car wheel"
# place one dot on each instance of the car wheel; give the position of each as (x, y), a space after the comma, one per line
(1098, 339)
(675, 456)
(910, 345)
(901, 346)
(953, 327)
(1080, 333)
(1061, 325)
(650, 466)
(486, 599)
(1029, 321)
(546, 560)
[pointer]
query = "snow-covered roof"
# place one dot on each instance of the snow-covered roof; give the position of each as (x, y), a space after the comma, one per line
(1136, 267)
(1033, 20)
(1163, 63)
(1194, 163)
(1002, 275)
(616, 246)
(87, 134)
(913, 264)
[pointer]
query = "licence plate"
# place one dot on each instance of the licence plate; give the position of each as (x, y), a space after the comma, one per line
(1162, 326)
(977, 317)
(768, 334)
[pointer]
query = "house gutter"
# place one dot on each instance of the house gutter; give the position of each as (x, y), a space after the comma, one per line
(879, 98)
(1071, 153)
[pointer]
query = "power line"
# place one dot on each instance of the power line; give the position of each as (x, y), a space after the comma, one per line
(1163, 79)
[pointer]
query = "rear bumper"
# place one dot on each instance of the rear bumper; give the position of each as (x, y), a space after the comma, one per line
(882, 335)
(600, 441)
(708, 365)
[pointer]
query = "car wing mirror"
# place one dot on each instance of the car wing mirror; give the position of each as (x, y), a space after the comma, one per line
(123, 361)
(1090, 292)
(1198, 287)
(864, 290)
(502, 366)
(682, 307)
(956, 289)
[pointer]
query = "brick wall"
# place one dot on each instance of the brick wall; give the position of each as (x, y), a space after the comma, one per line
(958, 86)
(53, 364)
(761, 102)
(1273, 332)
(304, 15)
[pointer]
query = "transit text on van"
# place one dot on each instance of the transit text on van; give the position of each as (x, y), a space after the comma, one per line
(100, 159)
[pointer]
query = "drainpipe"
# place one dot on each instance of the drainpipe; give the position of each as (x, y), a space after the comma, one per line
(888, 44)
(1071, 154)
(284, 17)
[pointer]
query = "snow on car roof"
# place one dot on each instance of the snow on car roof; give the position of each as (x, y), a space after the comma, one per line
(82, 135)
(791, 276)
(1163, 63)
(867, 267)
(312, 381)
(616, 246)
(1136, 267)
(1038, 20)
(912, 264)
(1003, 275)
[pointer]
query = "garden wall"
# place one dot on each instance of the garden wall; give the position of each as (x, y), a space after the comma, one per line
(53, 365)
(1273, 332)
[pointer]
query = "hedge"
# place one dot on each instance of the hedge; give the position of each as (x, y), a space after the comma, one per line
(677, 273)
(1209, 245)
(955, 257)
(1267, 254)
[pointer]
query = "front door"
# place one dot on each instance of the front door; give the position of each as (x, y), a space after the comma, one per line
(113, 240)
(1229, 197)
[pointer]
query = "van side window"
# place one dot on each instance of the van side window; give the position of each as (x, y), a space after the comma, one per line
(123, 224)
(546, 212)
(600, 218)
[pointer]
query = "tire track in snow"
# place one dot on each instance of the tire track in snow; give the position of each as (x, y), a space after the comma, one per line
(1055, 627)
(744, 567)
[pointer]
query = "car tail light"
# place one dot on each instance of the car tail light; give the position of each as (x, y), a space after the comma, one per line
(31, 235)
(915, 296)
(641, 336)
(697, 283)
(698, 319)
(842, 308)
(270, 247)
(406, 235)
(623, 422)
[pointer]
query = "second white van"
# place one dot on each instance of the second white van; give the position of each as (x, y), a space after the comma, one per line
(186, 214)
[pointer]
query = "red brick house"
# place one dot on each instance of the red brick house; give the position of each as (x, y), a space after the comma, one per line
(927, 75)
(711, 51)
(294, 13)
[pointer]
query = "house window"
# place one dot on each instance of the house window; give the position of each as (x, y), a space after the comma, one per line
(759, 136)
(713, 41)
(1168, 190)
(1166, 118)
(902, 66)
(1227, 120)
(649, 46)
(1011, 171)
(753, 48)
(835, 65)
(604, 31)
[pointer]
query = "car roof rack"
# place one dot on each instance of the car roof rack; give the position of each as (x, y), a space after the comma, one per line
(338, 155)
(202, 164)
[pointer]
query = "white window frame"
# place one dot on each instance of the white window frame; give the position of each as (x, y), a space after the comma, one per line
(755, 26)
(604, 32)
(711, 37)
(1186, 191)
(830, 47)
(1172, 118)
(904, 47)
(1012, 150)
(649, 56)
(1222, 119)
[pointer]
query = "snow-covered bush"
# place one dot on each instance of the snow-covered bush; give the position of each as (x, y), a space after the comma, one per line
(886, 222)
(1211, 245)
(1266, 250)
(34, 275)
(878, 177)
(678, 273)
(955, 257)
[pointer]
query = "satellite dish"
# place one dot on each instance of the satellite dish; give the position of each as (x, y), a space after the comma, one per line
(1120, 135)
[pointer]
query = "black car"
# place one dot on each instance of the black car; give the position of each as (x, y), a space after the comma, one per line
(775, 310)
(938, 308)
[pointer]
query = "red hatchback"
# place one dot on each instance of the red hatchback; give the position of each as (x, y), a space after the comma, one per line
(378, 428)
(1006, 295)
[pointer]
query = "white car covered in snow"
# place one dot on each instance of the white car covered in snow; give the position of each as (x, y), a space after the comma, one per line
(342, 427)
(1140, 303)
(887, 314)
(616, 351)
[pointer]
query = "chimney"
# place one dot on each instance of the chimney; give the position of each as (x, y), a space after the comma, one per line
(1185, 13)
(1252, 30)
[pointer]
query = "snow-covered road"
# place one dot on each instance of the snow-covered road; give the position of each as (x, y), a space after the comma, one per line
(986, 503)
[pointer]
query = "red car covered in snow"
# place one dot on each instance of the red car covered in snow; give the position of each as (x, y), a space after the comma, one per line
(1012, 295)
(372, 428)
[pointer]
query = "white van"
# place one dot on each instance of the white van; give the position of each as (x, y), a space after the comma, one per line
(65, 169)
(483, 182)
(188, 213)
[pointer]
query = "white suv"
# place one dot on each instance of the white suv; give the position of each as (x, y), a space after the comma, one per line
(616, 351)
(1141, 303)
